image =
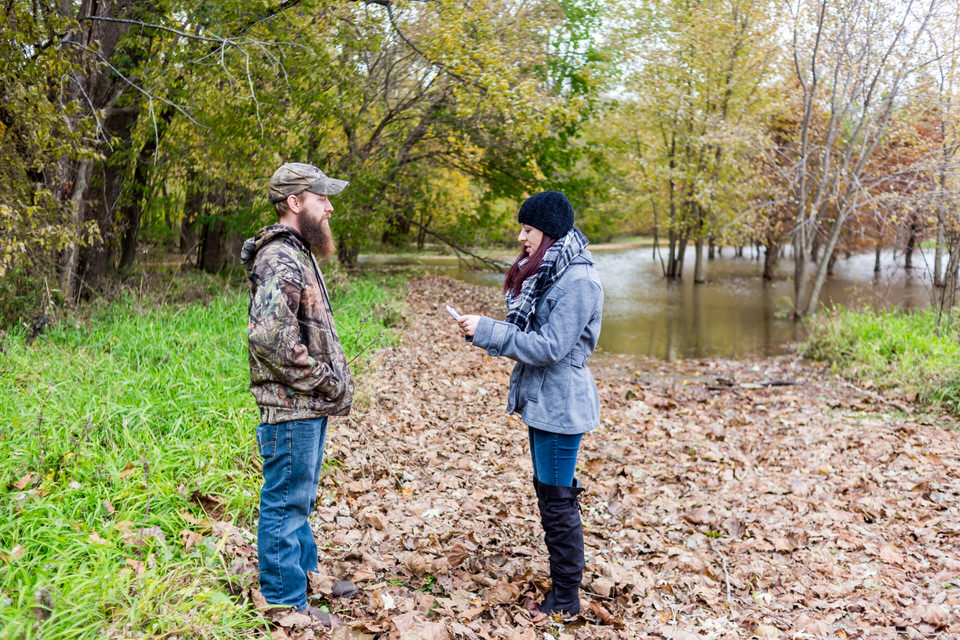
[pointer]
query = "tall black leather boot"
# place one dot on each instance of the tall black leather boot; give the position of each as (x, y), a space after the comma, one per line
(563, 533)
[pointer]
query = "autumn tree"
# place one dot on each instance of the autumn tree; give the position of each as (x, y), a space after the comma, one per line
(135, 109)
(393, 97)
(853, 60)
(700, 82)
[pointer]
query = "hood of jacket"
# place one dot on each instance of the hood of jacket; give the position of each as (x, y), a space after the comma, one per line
(248, 253)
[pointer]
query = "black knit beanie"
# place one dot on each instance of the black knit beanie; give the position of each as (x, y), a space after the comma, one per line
(549, 211)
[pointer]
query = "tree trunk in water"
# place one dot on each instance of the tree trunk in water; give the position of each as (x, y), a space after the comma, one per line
(681, 252)
(698, 277)
(876, 258)
(951, 279)
(911, 244)
(711, 251)
(656, 240)
(799, 275)
(938, 255)
(672, 255)
(771, 255)
(811, 303)
(422, 231)
(831, 263)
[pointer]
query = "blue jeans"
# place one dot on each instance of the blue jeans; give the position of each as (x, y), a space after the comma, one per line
(292, 453)
(554, 456)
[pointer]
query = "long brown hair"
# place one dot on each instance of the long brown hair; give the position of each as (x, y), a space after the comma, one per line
(517, 274)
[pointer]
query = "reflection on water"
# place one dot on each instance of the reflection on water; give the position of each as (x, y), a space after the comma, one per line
(736, 313)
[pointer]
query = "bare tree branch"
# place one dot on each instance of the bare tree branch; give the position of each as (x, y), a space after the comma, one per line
(133, 84)
(493, 264)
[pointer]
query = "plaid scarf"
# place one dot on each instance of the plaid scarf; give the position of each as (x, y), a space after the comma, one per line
(520, 307)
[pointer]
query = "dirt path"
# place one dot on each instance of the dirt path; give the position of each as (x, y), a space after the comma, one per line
(725, 499)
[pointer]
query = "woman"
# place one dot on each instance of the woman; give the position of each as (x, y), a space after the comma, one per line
(554, 306)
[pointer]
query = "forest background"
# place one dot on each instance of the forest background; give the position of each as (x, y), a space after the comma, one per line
(809, 128)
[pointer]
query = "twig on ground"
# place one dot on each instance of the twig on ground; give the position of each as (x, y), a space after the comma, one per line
(726, 574)
(876, 396)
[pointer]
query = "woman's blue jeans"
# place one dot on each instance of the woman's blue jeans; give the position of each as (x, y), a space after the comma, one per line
(554, 456)
(292, 453)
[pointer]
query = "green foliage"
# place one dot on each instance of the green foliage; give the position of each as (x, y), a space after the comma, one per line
(134, 407)
(431, 110)
(35, 217)
(892, 349)
(700, 80)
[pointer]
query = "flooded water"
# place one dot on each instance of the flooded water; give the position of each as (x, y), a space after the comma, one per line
(735, 313)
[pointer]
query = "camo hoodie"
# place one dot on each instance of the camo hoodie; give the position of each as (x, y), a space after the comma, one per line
(297, 367)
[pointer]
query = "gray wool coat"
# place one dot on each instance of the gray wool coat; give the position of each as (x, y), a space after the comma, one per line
(551, 387)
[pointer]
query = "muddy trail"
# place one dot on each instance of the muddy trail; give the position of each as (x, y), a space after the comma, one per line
(724, 499)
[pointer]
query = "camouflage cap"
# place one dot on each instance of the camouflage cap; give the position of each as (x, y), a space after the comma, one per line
(295, 177)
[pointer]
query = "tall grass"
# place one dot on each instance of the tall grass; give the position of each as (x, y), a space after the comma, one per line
(892, 349)
(115, 421)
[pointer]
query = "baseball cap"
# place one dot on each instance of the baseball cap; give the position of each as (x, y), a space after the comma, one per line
(295, 177)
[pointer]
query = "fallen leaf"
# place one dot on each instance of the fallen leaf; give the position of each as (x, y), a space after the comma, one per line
(934, 614)
(417, 563)
(734, 527)
(603, 587)
(504, 592)
(890, 555)
(129, 470)
(456, 554)
(403, 623)
(190, 539)
(812, 626)
(96, 539)
(320, 582)
(15, 554)
(144, 536)
(294, 619)
(259, 602)
(137, 566)
(190, 518)
(675, 633)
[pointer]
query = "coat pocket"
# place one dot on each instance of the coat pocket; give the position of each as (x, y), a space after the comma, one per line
(534, 382)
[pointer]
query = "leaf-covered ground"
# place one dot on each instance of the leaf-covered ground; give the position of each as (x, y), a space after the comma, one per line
(725, 499)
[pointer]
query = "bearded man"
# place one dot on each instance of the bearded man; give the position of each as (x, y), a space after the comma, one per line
(298, 376)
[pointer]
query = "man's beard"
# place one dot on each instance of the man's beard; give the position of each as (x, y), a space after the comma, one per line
(319, 236)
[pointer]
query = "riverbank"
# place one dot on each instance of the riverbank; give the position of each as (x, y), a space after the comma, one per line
(441, 255)
(724, 499)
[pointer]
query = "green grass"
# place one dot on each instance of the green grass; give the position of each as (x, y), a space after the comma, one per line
(114, 419)
(892, 349)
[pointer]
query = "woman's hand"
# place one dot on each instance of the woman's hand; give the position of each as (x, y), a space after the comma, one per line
(468, 324)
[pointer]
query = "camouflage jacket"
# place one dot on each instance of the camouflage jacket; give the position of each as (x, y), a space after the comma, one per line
(297, 367)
